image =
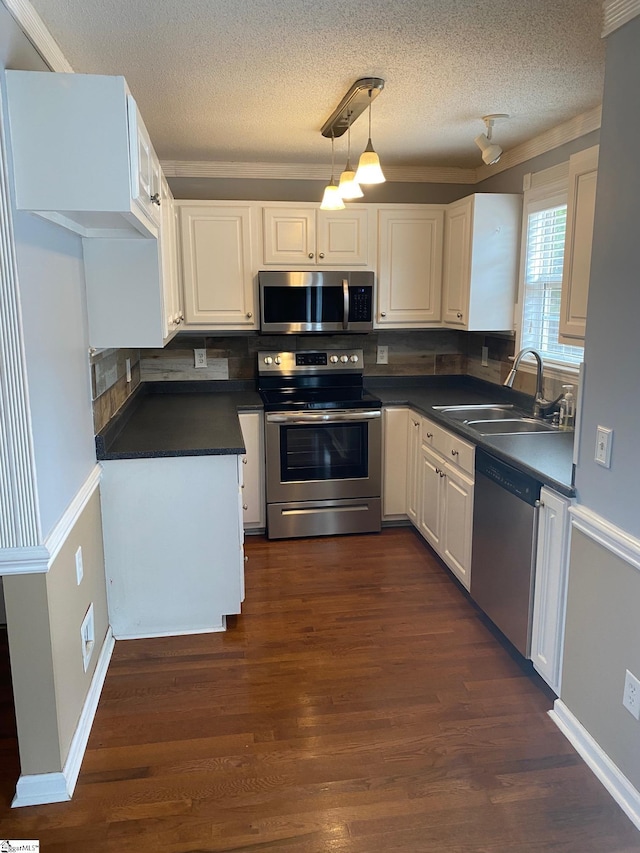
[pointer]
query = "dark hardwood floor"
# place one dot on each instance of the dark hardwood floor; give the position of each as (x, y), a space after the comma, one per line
(360, 704)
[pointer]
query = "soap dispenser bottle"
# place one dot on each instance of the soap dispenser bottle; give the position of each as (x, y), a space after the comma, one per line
(567, 408)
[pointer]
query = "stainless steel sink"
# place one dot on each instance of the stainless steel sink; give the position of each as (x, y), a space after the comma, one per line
(511, 426)
(485, 412)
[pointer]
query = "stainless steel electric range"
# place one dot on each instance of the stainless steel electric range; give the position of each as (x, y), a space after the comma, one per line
(323, 433)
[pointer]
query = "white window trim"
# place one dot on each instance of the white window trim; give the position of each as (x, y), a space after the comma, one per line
(542, 190)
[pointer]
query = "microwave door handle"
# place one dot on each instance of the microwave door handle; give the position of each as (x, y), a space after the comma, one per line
(345, 294)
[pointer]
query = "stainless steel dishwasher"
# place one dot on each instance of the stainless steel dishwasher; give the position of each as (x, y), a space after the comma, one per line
(505, 526)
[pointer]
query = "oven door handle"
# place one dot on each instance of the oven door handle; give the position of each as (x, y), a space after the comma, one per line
(345, 296)
(321, 417)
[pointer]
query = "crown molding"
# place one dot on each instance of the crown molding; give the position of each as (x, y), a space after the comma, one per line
(561, 134)
(616, 13)
(36, 31)
(308, 171)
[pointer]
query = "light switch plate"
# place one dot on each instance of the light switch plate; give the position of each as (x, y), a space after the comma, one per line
(604, 438)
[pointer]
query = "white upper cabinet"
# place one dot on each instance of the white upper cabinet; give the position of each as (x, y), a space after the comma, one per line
(409, 266)
(218, 267)
(305, 236)
(581, 204)
(480, 274)
(81, 154)
(174, 313)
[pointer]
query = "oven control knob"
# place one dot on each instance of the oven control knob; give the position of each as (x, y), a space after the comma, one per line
(344, 359)
(354, 358)
(278, 360)
(268, 360)
(333, 359)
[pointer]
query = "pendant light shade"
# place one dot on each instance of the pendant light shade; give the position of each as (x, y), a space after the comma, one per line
(369, 169)
(332, 200)
(349, 187)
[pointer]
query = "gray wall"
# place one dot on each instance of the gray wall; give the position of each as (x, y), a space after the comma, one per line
(268, 190)
(612, 350)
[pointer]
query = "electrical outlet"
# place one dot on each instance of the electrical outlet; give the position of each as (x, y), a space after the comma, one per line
(631, 695)
(200, 357)
(88, 637)
(382, 355)
(485, 356)
(127, 366)
(79, 566)
(604, 437)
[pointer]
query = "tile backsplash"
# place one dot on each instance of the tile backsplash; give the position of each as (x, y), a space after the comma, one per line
(411, 353)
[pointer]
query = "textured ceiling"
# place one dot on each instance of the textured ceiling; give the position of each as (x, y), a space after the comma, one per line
(254, 80)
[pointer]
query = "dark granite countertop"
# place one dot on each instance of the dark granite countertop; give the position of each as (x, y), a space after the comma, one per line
(201, 419)
(192, 419)
(547, 456)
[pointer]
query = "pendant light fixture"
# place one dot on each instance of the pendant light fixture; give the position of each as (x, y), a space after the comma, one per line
(332, 200)
(348, 186)
(369, 169)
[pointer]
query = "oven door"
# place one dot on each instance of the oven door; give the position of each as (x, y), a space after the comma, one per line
(323, 455)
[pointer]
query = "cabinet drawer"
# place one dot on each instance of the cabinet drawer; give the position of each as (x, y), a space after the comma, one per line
(433, 435)
(459, 452)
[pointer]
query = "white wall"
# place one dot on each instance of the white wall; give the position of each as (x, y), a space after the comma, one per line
(51, 276)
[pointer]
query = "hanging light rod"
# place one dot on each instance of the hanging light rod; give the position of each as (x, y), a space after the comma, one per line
(354, 103)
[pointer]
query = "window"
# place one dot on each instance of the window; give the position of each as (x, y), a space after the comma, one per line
(544, 237)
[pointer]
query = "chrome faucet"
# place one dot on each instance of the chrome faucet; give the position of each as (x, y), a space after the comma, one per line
(539, 404)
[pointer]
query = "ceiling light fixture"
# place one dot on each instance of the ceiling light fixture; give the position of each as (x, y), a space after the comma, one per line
(354, 103)
(369, 169)
(332, 200)
(348, 186)
(491, 152)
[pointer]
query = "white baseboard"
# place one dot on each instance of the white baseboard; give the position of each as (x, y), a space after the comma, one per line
(39, 788)
(152, 635)
(616, 783)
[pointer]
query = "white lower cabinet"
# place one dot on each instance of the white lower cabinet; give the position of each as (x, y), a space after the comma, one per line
(394, 472)
(253, 468)
(549, 602)
(173, 543)
(440, 478)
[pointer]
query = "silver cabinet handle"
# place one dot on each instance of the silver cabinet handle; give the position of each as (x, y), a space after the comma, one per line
(310, 254)
(245, 507)
(459, 315)
(429, 435)
(246, 559)
(454, 452)
(442, 474)
(383, 313)
(321, 255)
(244, 462)
(155, 199)
(249, 315)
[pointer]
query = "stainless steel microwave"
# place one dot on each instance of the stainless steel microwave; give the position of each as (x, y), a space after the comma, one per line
(302, 302)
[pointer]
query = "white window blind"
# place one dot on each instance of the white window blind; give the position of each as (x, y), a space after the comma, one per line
(544, 257)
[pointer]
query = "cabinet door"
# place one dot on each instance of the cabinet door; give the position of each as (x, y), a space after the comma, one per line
(409, 267)
(145, 166)
(217, 272)
(413, 468)
(549, 602)
(581, 203)
(394, 482)
(253, 511)
(457, 524)
(457, 262)
(289, 236)
(431, 496)
(342, 237)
